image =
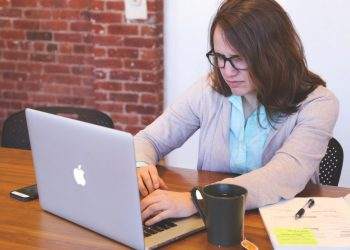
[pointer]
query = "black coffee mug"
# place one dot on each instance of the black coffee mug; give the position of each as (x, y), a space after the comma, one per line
(222, 212)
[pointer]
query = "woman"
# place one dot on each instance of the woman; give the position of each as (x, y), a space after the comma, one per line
(261, 112)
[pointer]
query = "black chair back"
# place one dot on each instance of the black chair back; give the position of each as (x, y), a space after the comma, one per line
(331, 164)
(15, 131)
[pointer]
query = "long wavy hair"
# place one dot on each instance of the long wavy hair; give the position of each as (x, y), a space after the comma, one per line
(263, 34)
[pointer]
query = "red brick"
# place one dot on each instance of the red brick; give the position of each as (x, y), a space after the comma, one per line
(25, 45)
(98, 29)
(80, 26)
(108, 63)
(79, 4)
(126, 119)
(29, 86)
(99, 52)
(109, 107)
(38, 14)
(105, 17)
(99, 74)
(141, 87)
(42, 57)
(4, 104)
(4, 3)
(5, 24)
(66, 14)
(140, 64)
(70, 100)
(155, 6)
(56, 68)
(97, 4)
(39, 46)
(108, 40)
(68, 37)
(63, 79)
(82, 70)
(7, 85)
(71, 59)
(82, 91)
(29, 67)
(54, 25)
(147, 119)
(23, 3)
(58, 89)
(26, 24)
(7, 66)
(124, 75)
(14, 76)
(123, 52)
(133, 129)
(153, 31)
(51, 47)
(124, 97)
(109, 86)
(152, 77)
(79, 49)
(140, 109)
(100, 97)
(65, 48)
(43, 98)
(149, 99)
(10, 12)
(140, 42)
(123, 29)
(53, 3)
(115, 5)
(15, 95)
(12, 44)
(151, 54)
(14, 55)
(12, 34)
(39, 35)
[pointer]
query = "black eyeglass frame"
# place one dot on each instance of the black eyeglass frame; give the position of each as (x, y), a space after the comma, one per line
(229, 59)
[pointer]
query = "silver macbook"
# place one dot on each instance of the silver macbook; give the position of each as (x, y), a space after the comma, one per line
(86, 174)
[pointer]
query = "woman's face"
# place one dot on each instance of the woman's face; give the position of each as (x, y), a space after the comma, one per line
(238, 80)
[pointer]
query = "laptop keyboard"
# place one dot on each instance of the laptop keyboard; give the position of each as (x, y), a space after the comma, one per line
(158, 227)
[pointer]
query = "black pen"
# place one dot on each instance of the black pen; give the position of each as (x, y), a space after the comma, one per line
(301, 211)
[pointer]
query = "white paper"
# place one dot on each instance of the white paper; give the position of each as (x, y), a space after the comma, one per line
(329, 219)
(135, 9)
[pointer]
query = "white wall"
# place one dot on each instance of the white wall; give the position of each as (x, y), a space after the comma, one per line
(185, 41)
(323, 26)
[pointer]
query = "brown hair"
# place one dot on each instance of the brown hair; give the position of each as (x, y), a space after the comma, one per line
(261, 31)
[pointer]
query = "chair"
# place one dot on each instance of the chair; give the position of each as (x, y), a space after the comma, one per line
(15, 131)
(331, 164)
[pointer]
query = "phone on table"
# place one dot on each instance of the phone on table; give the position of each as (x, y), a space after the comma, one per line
(25, 193)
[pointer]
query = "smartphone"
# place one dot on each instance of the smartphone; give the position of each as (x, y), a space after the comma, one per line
(25, 193)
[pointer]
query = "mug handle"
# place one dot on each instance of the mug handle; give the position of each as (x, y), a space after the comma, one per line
(197, 204)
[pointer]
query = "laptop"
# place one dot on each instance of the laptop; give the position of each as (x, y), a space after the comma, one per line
(86, 174)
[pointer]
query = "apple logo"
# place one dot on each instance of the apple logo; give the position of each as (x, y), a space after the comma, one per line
(78, 174)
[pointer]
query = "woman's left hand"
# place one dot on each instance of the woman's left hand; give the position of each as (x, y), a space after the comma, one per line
(163, 204)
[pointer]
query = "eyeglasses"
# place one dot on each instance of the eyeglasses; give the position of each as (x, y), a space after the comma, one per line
(218, 61)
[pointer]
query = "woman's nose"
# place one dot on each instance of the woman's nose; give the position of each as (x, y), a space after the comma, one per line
(229, 70)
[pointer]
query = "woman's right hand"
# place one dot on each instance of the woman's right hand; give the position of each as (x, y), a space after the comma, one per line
(149, 180)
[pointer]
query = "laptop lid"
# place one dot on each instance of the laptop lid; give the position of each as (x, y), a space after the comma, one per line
(86, 174)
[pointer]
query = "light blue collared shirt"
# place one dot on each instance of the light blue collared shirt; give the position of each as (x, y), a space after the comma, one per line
(247, 139)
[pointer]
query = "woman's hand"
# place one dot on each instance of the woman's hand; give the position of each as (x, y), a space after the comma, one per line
(149, 180)
(163, 204)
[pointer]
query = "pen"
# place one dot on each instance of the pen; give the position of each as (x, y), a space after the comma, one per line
(301, 211)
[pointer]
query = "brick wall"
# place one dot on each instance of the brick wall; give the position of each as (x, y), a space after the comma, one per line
(82, 53)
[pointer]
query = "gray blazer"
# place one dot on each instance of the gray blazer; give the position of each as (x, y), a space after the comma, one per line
(291, 155)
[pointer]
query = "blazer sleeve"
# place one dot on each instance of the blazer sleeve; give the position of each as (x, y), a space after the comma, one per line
(293, 165)
(172, 128)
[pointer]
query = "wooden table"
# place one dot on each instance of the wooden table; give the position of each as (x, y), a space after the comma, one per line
(23, 225)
